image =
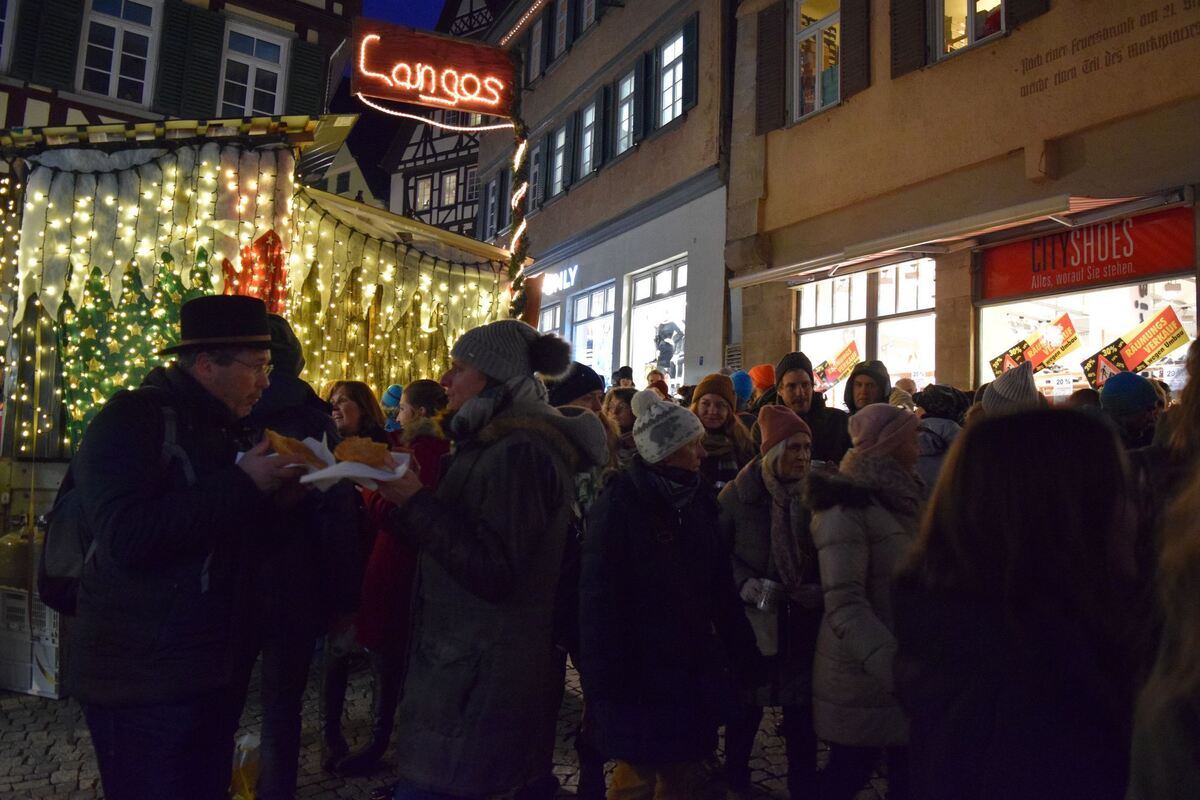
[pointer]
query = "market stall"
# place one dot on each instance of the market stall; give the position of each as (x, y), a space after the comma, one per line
(109, 229)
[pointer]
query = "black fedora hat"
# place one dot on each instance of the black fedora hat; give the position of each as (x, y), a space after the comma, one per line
(221, 321)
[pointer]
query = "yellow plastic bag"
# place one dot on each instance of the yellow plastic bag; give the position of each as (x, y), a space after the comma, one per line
(245, 768)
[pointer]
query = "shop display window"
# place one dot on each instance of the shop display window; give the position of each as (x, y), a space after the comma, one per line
(658, 322)
(592, 329)
(1099, 316)
(887, 313)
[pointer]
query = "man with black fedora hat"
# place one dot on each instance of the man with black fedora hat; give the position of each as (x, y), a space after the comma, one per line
(162, 645)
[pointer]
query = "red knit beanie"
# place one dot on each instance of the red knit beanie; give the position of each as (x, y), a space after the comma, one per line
(779, 423)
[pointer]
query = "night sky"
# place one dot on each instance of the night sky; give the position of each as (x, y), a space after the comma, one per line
(414, 13)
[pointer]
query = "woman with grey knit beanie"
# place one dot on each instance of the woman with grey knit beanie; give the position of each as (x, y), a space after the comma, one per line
(483, 682)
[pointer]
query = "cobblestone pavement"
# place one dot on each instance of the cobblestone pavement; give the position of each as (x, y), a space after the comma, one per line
(46, 752)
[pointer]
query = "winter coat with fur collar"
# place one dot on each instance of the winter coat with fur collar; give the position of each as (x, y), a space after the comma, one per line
(859, 545)
(483, 685)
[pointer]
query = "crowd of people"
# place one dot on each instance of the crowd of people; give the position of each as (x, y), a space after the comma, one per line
(973, 593)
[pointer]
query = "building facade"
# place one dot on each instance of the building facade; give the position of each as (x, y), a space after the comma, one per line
(435, 166)
(625, 106)
(943, 184)
(85, 62)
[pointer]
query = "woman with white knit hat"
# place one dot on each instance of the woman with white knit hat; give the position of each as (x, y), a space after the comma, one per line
(659, 613)
(864, 521)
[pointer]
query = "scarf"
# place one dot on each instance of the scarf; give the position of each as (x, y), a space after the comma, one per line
(626, 448)
(479, 410)
(894, 487)
(792, 547)
(676, 486)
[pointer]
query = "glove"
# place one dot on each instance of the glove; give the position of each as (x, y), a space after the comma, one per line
(751, 590)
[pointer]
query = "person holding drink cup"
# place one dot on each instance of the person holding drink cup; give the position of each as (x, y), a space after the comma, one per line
(765, 520)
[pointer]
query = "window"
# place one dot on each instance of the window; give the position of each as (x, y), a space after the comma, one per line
(558, 162)
(343, 182)
(535, 50)
(252, 82)
(886, 315)
(658, 320)
(476, 119)
(424, 193)
(493, 207)
(587, 139)
(592, 328)
(561, 18)
(453, 118)
(7, 12)
(625, 102)
(550, 320)
(535, 179)
(472, 184)
(816, 55)
(116, 58)
(963, 23)
(449, 188)
(670, 79)
(587, 14)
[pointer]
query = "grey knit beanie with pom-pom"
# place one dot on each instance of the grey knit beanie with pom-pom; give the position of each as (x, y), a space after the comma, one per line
(660, 427)
(509, 348)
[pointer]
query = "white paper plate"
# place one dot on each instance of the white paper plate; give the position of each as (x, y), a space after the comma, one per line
(359, 473)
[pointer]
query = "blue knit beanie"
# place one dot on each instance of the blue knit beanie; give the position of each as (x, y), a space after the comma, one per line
(391, 398)
(743, 385)
(1127, 393)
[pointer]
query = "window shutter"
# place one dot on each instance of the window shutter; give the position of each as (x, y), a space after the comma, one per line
(547, 36)
(46, 44)
(569, 167)
(691, 61)
(547, 159)
(572, 20)
(644, 97)
(1019, 12)
(528, 68)
(504, 213)
(306, 80)
(480, 212)
(909, 36)
(168, 90)
(600, 136)
(602, 8)
(856, 46)
(770, 71)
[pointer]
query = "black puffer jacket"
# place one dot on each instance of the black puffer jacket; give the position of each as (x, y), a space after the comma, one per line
(162, 609)
(319, 573)
(656, 584)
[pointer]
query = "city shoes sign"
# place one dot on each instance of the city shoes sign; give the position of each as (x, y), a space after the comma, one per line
(392, 62)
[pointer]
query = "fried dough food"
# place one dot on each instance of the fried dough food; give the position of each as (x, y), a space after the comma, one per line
(293, 451)
(363, 451)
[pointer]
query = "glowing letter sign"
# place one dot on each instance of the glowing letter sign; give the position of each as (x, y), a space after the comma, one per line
(397, 63)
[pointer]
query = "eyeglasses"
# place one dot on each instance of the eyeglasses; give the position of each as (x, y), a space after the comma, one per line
(265, 369)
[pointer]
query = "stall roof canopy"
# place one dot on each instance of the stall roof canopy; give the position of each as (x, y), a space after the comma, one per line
(387, 226)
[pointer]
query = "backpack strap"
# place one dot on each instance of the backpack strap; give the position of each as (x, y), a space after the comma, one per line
(171, 451)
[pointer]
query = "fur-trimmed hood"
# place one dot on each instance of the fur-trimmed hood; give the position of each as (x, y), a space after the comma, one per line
(826, 490)
(422, 426)
(578, 438)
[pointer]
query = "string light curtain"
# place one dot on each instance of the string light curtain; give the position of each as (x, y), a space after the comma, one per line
(376, 310)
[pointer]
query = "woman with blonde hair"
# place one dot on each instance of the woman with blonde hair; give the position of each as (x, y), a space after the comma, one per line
(1166, 734)
(727, 444)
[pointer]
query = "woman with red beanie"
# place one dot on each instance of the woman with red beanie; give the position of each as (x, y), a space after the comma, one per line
(864, 521)
(765, 518)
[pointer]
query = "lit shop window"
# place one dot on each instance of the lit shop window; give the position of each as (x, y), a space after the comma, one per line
(117, 51)
(658, 321)
(592, 328)
(253, 73)
(1099, 317)
(816, 55)
(670, 79)
(963, 23)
